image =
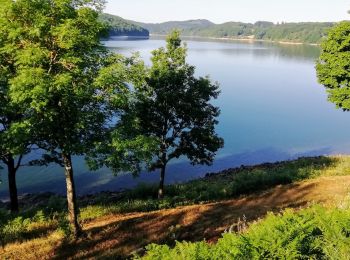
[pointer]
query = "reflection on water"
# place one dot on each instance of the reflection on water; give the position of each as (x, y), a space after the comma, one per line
(271, 109)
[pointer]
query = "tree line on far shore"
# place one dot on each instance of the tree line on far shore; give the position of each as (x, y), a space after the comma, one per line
(305, 32)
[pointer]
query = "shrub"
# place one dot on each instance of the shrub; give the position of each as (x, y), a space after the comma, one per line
(314, 233)
(18, 228)
(181, 251)
(15, 229)
(56, 204)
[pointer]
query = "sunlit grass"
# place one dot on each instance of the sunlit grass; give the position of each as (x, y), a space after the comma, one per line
(235, 182)
(36, 248)
(46, 225)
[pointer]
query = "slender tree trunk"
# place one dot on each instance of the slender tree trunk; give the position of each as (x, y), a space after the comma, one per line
(11, 169)
(71, 196)
(161, 183)
(162, 175)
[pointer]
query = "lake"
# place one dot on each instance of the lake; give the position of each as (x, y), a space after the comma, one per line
(272, 109)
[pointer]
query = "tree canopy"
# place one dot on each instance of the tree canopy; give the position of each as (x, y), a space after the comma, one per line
(120, 27)
(56, 67)
(14, 133)
(173, 108)
(333, 65)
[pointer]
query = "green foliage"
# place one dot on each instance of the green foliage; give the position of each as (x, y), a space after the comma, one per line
(292, 32)
(314, 233)
(172, 109)
(39, 217)
(55, 204)
(15, 134)
(333, 65)
(55, 70)
(64, 226)
(120, 27)
(296, 32)
(15, 229)
(18, 228)
(57, 63)
(122, 146)
(166, 27)
(181, 251)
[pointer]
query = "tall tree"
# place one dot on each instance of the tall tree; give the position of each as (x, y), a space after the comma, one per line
(333, 66)
(173, 108)
(14, 141)
(14, 136)
(58, 59)
(14, 144)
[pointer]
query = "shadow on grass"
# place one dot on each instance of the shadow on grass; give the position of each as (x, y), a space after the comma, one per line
(119, 235)
(224, 216)
(124, 234)
(117, 238)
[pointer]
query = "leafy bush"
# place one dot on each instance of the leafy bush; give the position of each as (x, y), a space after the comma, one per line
(18, 228)
(64, 227)
(55, 204)
(15, 229)
(314, 233)
(181, 251)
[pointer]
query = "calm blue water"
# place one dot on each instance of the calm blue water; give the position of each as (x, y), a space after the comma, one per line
(271, 109)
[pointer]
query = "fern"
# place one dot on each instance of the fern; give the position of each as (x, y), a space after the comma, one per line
(314, 233)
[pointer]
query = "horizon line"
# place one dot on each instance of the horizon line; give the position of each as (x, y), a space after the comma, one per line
(231, 21)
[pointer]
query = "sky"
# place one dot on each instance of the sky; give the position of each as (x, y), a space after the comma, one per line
(220, 11)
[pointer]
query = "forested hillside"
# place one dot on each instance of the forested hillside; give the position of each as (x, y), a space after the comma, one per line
(191, 27)
(261, 30)
(292, 32)
(121, 27)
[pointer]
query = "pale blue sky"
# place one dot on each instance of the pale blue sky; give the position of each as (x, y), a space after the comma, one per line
(220, 11)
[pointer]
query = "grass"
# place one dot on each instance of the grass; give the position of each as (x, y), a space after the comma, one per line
(191, 211)
(229, 184)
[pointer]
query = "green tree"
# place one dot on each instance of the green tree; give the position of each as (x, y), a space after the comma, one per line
(14, 136)
(333, 66)
(58, 61)
(173, 108)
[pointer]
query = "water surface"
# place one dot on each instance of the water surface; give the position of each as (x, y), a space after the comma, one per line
(271, 109)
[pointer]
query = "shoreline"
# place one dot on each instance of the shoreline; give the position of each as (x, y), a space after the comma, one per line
(251, 40)
(42, 196)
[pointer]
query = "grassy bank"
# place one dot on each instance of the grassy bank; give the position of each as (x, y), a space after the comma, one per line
(120, 223)
(230, 183)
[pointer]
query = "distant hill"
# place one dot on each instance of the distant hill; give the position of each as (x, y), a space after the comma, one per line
(291, 32)
(122, 27)
(165, 28)
(261, 30)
